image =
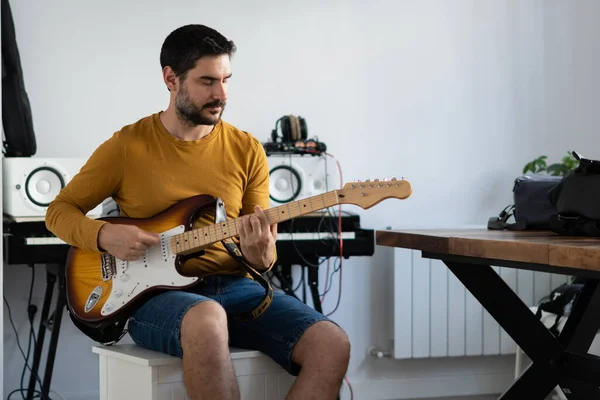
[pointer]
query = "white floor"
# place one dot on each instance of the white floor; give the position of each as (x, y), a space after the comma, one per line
(552, 397)
(465, 398)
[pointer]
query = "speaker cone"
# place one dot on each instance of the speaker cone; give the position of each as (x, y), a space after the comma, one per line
(43, 185)
(285, 184)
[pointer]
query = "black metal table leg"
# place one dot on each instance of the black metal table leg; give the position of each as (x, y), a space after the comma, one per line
(559, 361)
(508, 310)
(584, 321)
(581, 379)
(535, 383)
(520, 324)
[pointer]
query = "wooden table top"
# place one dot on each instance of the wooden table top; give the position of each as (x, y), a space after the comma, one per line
(539, 247)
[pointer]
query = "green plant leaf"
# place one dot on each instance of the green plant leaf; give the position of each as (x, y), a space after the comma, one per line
(557, 169)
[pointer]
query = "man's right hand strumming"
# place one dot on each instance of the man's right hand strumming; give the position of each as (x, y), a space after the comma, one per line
(126, 242)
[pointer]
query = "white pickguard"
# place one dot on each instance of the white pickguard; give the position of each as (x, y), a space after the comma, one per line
(156, 268)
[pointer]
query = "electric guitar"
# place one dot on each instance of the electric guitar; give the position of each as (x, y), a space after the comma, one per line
(101, 287)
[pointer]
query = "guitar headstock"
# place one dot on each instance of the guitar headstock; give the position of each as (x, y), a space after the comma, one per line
(368, 193)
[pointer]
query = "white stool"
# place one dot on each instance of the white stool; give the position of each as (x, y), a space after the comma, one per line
(128, 371)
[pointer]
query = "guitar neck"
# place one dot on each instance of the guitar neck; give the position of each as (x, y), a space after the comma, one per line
(196, 239)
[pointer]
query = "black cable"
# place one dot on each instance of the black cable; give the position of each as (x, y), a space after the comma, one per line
(304, 260)
(271, 275)
(30, 317)
(339, 291)
(277, 285)
(20, 348)
(334, 242)
(335, 269)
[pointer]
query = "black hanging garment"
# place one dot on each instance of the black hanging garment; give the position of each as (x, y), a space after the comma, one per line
(19, 140)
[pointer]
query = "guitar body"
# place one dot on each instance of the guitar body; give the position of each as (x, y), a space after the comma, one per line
(100, 287)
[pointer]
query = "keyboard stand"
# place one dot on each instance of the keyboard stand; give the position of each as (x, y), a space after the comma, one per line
(54, 273)
(283, 273)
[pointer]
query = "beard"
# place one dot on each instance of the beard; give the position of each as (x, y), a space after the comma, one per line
(192, 115)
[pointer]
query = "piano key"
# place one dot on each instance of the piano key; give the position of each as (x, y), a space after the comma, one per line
(314, 236)
(40, 241)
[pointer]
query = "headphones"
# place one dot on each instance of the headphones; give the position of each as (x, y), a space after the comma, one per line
(293, 128)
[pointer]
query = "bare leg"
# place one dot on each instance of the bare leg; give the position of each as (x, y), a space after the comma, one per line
(207, 368)
(323, 352)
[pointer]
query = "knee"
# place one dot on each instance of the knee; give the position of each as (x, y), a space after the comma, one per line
(327, 344)
(205, 322)
(339, 343)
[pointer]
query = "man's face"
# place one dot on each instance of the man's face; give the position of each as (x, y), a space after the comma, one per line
(201, 97)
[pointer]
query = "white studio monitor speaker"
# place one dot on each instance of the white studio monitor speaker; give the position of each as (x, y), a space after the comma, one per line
(294, 177)
(30, 184)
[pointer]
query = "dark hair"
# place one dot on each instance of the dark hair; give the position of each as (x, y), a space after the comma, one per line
(186, 45)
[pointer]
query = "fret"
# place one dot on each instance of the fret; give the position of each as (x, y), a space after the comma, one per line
(178, 243)
(214, 229)
(192, 240)
(270, 218)
(206, 235)
(182, 241)
(201, 237)
(199, 233)
(186, 236)
(185, 239)
(231, 228)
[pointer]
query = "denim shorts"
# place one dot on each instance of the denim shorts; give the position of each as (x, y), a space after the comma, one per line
(157, 323)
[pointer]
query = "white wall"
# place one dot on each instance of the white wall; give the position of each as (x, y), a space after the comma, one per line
(454, 96)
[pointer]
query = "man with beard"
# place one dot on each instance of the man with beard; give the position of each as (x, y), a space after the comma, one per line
(165, 158)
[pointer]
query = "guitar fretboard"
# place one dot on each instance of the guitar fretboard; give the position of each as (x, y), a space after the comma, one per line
(196, 239)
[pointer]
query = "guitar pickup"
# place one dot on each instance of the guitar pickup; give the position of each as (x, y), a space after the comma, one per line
(108, 266)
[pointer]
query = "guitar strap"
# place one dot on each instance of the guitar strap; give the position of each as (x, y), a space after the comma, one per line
(234, 251)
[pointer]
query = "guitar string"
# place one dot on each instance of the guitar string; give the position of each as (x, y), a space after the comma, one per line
(169, 241)
(273, 215)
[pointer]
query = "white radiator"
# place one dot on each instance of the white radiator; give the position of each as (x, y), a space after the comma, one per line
(435, 316)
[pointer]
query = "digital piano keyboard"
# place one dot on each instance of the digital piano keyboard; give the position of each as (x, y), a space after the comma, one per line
(29, 242)
(316, 235)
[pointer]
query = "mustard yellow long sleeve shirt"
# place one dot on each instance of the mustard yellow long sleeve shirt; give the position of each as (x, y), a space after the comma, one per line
(146, 170)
